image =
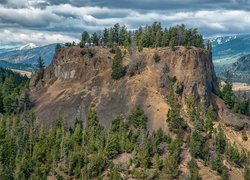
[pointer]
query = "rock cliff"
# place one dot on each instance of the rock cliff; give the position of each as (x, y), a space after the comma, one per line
(78, 78)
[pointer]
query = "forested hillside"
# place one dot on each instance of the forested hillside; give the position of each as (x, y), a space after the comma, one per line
(12, 85)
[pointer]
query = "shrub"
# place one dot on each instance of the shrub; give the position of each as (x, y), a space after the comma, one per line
(244, 136)
(179, 89)
(69, 44)
(165, 69)
(188, 47)
(91, 53)
(112, 50)
(156, 58)
(81, 44)
(246, 173)
(83, 52)
(132, 69)
(173, 79)
(140, 48)
(136, 66)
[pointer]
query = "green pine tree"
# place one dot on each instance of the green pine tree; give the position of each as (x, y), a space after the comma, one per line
(118, 71)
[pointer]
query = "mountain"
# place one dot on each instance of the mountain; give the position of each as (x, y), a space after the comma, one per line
(27, 46)
(4, 49)
(239, 71)
(20, 66)
(26, 56)
(227, 49)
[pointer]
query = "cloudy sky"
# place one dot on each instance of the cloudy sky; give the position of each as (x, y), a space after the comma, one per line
(49, 21)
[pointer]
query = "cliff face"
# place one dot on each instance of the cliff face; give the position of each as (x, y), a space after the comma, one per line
(78, 78)
(194, 69)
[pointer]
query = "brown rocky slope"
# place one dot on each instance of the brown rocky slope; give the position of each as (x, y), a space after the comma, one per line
(79, 78)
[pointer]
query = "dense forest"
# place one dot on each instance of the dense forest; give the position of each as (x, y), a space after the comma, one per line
(149, 36)
(11, 86)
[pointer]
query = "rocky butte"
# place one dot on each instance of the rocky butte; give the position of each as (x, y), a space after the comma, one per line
(79, 78)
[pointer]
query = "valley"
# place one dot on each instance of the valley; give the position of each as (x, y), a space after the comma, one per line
(241, 87)
(22, 72)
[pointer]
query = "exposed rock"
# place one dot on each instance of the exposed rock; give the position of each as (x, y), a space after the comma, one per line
(74, 81)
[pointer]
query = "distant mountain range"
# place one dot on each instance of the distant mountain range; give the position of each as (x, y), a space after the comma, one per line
(25, 57)
(228, 49)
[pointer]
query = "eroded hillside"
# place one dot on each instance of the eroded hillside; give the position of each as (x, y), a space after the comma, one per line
(78, 78)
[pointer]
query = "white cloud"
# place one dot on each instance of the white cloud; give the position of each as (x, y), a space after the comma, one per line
(32, 17)
(18, 37)
(64, 22)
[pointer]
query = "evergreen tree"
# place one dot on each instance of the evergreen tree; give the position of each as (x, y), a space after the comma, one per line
(171, 167)
(172, 162)
(115, 33)
(58, 46)
(246, 173)
(85, 38)
(209, 118)
(138, 118)
(95, 39)
(113, 147)
(209, 46)
(123, 36)
(105, 36)
(40, 63)
(197, 145)
(158, 40)
(227, 94)
(144, 158)
(193, 168)
(220, 141)
(118, 71)
(93, 122)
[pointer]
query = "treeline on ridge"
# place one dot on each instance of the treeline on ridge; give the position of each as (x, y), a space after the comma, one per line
(149, 36)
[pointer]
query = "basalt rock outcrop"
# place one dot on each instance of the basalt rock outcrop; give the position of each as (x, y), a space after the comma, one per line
(79, 78)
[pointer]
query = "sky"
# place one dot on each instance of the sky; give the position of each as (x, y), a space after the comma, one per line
(51, 21)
